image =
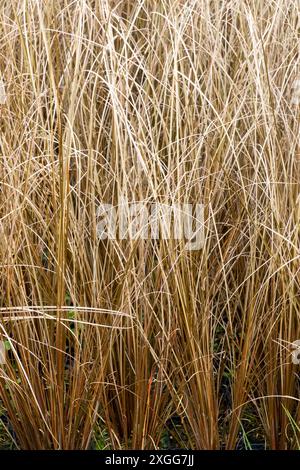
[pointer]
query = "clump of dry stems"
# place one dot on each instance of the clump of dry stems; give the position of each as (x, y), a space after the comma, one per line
(155, 100)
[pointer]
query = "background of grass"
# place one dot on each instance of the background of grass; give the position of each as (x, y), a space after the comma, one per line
(136, 341)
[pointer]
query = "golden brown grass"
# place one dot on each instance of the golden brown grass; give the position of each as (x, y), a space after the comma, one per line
(155, 100)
